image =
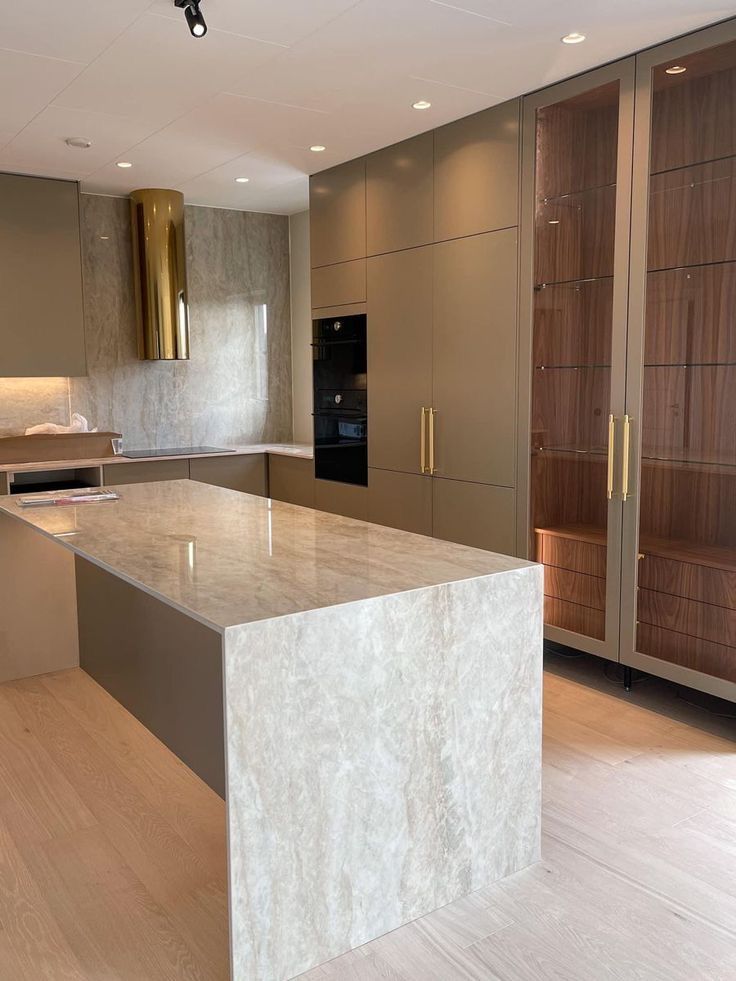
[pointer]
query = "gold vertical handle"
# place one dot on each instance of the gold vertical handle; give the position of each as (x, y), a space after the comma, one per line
(423, 440)
(611, 448)
(625, 464)
(431, 440)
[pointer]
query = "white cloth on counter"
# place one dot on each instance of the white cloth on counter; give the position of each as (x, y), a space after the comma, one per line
(78, 425)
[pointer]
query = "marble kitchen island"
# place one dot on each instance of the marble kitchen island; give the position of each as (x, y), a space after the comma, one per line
(367, 701)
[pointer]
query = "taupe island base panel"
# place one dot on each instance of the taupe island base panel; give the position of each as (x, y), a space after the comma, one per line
(367, 700)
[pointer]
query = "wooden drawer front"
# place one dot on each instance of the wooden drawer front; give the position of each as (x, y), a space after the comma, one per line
(695, 582)
(573, 554)
(141, 473)
(718, 660)
(701, 620)
(570, 616)
(575, 587)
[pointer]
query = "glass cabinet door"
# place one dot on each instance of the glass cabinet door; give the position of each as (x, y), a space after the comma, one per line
(683, 578)
(581, 151)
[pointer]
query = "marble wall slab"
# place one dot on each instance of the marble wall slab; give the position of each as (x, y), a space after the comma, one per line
(237, 386)
(384, 759)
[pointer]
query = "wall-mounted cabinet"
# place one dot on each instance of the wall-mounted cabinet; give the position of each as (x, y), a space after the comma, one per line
(41, 308)
(399, 195)
(630, 394)
(337, 214)
(476, 173)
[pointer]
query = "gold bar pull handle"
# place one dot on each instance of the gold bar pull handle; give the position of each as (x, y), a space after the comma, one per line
(423, 440)
(611, 449)
(431, 440)
(625, 464)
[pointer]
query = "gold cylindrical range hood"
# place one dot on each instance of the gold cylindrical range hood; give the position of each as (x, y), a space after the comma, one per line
(159, 262)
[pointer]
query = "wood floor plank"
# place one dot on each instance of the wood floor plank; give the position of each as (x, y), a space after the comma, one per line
(175, 879)
(188, 804)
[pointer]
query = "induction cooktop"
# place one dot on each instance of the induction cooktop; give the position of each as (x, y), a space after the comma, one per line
(175, 451)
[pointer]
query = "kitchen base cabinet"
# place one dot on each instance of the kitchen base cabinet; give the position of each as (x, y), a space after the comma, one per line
(400, 500)
(350, 500)
(480, 515)
(143, 473)
(291, 479)
(242, 473)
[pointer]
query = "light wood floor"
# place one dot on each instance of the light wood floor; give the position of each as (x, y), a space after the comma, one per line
(112, 855)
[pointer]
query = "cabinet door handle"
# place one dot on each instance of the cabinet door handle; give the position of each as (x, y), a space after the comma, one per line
(431, 440)
(625, 463)
(611, 448)
(423, 440)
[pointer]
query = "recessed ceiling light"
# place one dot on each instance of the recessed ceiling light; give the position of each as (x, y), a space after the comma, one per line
(573, 38)
(124, 164)
(78, 142)
(422, 104)
(675, 70)
(242, 180)
(317, 148)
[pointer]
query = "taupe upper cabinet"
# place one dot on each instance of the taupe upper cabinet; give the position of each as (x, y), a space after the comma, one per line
(399, 357)
(399, 195)
(474, 342)
(337, 219)
(476, 173)
(41, 308)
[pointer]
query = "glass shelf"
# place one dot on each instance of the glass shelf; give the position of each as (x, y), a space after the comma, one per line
(694, 364)
(693, 265)
(572, 282)
(576, 194)
(681, 457)
(689, 166)
(578, 451)
(568, 367)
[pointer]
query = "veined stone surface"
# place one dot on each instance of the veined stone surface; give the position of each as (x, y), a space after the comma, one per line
(383, 760)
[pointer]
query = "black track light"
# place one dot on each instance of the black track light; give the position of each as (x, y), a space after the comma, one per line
(193, 14)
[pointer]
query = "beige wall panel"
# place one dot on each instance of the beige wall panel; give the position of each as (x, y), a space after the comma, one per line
(337, 206)
(476, 176)
(140, 473)
(241, 473)
(339, 284)
(474, 514)
(399, 356)
(347, 499)
(291, 479)
(38, 600)
(399, 195)
(41, 311)
(475, 337)
(400, 500)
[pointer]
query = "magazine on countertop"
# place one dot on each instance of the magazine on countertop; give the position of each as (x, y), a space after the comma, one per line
(62, 498)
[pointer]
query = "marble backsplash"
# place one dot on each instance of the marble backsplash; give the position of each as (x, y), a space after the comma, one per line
(237, 386)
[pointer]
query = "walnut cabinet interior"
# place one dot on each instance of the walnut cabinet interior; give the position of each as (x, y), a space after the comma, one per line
(630, 211)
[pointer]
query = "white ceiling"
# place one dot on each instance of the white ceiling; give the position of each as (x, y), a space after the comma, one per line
(273, 77)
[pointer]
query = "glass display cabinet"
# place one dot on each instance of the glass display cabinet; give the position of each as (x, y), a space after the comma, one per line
(629, 390)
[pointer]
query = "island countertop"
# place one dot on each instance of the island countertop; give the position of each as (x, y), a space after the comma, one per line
(226, 558)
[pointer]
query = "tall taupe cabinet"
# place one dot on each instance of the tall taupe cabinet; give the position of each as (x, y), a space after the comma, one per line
(440, 291)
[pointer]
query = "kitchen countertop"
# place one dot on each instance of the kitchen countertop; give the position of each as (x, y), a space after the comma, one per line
(228, 558)
(301, 450)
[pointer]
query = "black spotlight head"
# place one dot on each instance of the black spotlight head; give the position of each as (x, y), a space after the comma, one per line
(195, 20)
